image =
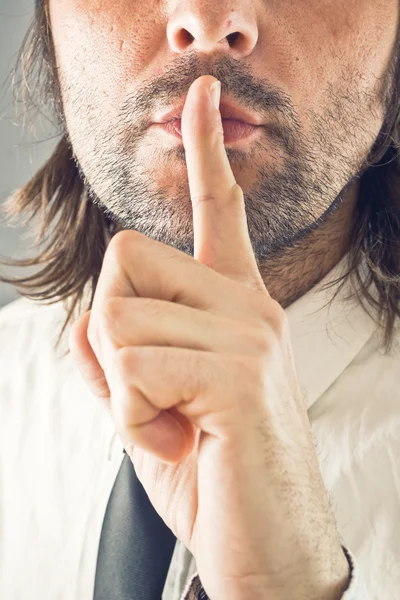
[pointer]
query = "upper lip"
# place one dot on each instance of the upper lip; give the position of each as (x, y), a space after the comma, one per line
(228, 109)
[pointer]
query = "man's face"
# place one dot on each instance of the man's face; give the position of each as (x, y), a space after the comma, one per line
(311, 70)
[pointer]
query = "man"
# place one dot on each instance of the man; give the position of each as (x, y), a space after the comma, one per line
(198, 233)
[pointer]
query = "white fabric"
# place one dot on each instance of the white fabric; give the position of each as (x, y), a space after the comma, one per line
(59, 454)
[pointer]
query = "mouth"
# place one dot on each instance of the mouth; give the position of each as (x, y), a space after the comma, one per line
(234, 130)
(228, 109)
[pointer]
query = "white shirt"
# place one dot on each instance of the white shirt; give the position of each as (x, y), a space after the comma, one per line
(60, 455)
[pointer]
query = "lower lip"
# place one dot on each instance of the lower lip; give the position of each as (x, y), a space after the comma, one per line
(234, 131)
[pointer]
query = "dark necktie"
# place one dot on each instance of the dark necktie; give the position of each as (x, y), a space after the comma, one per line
(136, 546)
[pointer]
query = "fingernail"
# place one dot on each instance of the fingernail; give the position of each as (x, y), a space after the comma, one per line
(215, 92)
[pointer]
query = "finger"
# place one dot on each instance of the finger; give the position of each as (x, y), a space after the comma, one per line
(136, 266)
(168, 427)
(210, 390)
(88, 365)
(221, 236)
(151, 322)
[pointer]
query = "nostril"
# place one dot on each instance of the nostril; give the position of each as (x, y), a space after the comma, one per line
(186, 37)
(232, 37)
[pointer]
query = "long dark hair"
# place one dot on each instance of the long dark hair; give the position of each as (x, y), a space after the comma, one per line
(74, 230)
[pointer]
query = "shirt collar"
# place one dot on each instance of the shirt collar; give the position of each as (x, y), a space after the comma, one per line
(325, 339)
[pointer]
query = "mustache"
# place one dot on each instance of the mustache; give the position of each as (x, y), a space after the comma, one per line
(260, 96)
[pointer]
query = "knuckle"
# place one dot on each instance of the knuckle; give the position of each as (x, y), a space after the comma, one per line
(153, 308)
(273, 316)
(99, 387)
(112, 309)
(204, 199)
(121, 238)
(117, 248)
(261, 341)
(124, 360)
(279, 321)
(233, 194)
(117, 243)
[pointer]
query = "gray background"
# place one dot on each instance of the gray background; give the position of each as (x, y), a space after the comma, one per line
(21, 151)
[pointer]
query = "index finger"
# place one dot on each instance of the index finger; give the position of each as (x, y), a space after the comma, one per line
(221, 235)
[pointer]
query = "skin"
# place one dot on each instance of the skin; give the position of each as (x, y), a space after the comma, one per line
(321, 63)
(225, 395)
(210, 322)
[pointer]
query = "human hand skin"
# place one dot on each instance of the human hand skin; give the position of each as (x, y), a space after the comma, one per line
(193, 359)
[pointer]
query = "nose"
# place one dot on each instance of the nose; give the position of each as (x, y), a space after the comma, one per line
(208, 26)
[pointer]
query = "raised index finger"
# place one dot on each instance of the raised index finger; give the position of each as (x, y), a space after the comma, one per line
(221, 236)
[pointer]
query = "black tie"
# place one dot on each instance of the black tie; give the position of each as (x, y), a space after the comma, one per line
(136, 546)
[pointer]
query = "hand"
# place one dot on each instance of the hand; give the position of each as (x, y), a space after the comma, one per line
(193, 359)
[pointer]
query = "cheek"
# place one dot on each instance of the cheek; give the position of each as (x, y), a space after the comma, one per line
(366, 38)
(104, 44)
(326, 41)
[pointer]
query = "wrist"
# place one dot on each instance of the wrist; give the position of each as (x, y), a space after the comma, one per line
(324, 582)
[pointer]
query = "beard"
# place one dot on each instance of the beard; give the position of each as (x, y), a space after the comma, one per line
(298, 179)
